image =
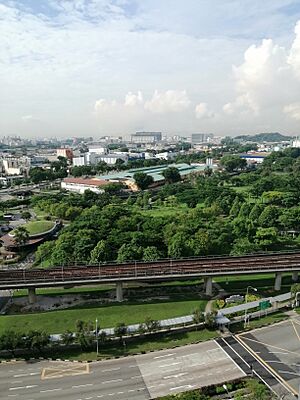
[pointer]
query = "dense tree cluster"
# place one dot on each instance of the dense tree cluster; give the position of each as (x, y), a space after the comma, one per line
(239, 213)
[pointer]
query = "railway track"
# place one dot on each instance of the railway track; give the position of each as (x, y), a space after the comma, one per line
(156, 270)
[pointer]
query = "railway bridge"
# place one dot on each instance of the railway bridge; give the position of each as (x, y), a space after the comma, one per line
(154, 271)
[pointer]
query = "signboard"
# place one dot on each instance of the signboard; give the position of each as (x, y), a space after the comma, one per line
(264, 304)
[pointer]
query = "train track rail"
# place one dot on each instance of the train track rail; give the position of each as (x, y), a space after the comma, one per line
(157, 270)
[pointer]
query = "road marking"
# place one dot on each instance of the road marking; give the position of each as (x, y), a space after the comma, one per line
(283, 382)
(175, 376)
(166, 355)
(266, 344)
(297, 334)
(111, 369)
(16, 381)
(50, 390)
(169, 365)
(277, 352)
(288, 372)
(78, 386)
(112, 381)
(137, 376)
(227, 355)
(62, 371)
(22, 387)
(30, 374)
(183, 386)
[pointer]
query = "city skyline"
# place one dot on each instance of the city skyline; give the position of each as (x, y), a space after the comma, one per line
(100, 67)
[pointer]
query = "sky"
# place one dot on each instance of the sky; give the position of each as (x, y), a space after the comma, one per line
(113, 67)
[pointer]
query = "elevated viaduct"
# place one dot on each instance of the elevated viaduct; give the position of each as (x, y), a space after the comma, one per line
(155, 271)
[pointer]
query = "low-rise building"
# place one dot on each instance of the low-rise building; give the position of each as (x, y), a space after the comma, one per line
(65, 152)
(80, 185)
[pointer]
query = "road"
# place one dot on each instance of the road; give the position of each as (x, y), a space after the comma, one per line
(138, 377)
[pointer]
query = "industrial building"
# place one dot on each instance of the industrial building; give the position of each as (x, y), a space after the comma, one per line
(146, 137)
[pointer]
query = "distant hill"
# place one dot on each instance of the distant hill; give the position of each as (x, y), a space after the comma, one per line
(264, 137)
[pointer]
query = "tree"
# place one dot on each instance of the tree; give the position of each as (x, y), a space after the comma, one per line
(143, 180)
(100, 252)
(26, 215)
(129, 252)
(84, 334)
(151, 325)
(21, 235)
(210, 320)
(268, 218)
(233, 163)
(266, 238)
(44, 251)
(120, 330)
(11, 340)
(151, 253)
(67, 337)
(37, 340)
(243, 246)
(171, 175)
(198, 316)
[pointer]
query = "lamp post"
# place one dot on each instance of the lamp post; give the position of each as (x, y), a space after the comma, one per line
(247, 291)
(97, 344)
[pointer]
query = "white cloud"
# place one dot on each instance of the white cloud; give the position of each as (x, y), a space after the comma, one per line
(168, 101)
(132, 99)
(293, 110)
(202, 111)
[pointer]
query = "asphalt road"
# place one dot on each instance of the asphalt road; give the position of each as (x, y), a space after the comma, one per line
(278, 348)
(138, 378)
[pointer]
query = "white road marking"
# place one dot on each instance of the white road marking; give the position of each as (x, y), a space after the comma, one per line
(181, 387)
(79, 386)
(166, 355)
(23, 387)
(50, 390)
(277, 352)
(30, 374)
(16, 381)
(111, 369)
(288, 372)
(112, 381)
(138, 376)
(169, 365)
(175, 376)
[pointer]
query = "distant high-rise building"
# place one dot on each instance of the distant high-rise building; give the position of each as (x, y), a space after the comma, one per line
(198, 138)
(146, 137)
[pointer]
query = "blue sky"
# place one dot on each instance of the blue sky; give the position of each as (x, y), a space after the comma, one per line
(94, 67)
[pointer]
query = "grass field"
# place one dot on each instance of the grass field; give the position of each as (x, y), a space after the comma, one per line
(108, 316)
(36, 227)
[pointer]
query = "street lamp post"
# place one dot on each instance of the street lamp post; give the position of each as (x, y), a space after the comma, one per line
(247, 291)
(97, 344)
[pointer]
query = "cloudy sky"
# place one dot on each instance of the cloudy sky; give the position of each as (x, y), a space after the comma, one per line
(95, 67)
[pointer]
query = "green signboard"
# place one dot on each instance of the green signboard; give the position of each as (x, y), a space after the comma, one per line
(263, 305)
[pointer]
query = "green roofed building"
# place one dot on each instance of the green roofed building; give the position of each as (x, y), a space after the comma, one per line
(156, 172)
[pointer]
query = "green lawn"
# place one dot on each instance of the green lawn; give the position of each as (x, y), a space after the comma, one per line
(36, 227)
(108, 316)
(263, 282)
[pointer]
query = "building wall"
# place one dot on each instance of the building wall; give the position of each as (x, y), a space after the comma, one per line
(80, 188)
